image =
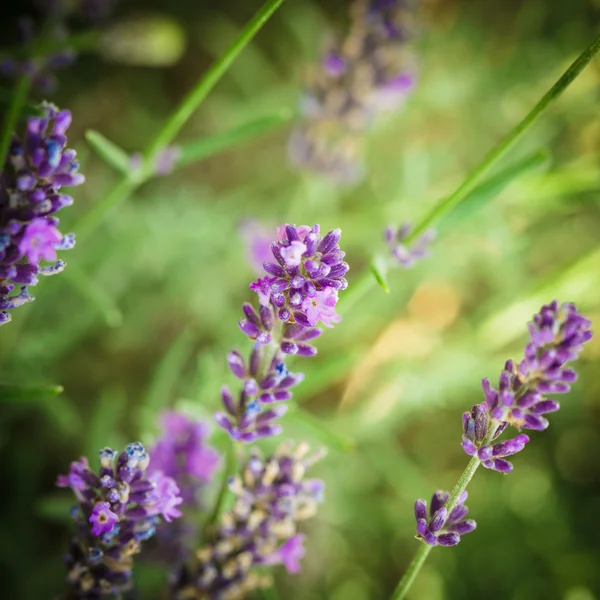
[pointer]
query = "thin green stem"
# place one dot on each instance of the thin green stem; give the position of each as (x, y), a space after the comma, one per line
(191, 102)
(18, 101)
(423, 552)
(366, 281)
(507, 141)
(413, 570)
(131, 182)
(229, 469)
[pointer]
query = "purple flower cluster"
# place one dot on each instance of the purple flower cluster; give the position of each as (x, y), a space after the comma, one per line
(271, 497)
(117, 509)
(492, 456)
(30, 186)
(442, 528)
(182, 453)
(557, 334)
(299, 291)
(407, 256)
(364, 74)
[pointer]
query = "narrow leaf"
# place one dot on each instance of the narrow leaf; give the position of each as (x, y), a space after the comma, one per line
(114, 155)
(13, 393)
(379, 268)
(207, 147)
(490, 188)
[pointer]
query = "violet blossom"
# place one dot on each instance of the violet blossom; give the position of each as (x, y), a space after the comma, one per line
(362, 75)
(299, 291)
(118, 507)
(407, 255)
(30, 195)
(557, 334)
(442, 528)
(272, 496)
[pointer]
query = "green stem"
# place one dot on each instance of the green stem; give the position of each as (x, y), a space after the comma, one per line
(413, 570)
(131, 182)
(18, 101)
(423, 552)
(228, 471)
(191, 102)
(367, 281)
(507, 141)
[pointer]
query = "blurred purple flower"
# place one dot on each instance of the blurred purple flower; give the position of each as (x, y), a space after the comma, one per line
(271, 497)
(406, 256)
(182, 453)
(367, 73)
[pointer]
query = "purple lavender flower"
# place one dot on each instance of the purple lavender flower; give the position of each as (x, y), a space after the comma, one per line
(38, 69)
(304, 279)
(367, 73)
(557, 334)
(118, 507)
(407, 256)
(30, 185)
(299, 291)
(442, 528)
(253, 415)
(182, 453)
(257, 241)
(272, 497)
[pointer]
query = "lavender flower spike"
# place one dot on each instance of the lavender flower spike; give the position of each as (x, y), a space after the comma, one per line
(441, 528)
(30, 183)
(557, 335)
(299, 291)
(272, 497)
(364, 74)
(118, 507)
(404, 255)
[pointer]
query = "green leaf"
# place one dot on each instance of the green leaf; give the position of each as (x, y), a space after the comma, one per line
(204, 148)
(379, 269)
(13, 393)
(114, 155)
(490, 188)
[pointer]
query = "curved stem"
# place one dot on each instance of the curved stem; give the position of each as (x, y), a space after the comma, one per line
(508, 140)
(190, 103)
(423, 552)
(131, 182)
(497, 152)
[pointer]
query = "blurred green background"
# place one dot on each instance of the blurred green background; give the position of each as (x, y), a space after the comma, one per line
(143, 316)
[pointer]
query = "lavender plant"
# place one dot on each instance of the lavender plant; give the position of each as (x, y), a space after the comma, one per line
(118, 508)
(367, 73)
(299, 291)
(30, 195)
(272, 496)
(556, 337)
